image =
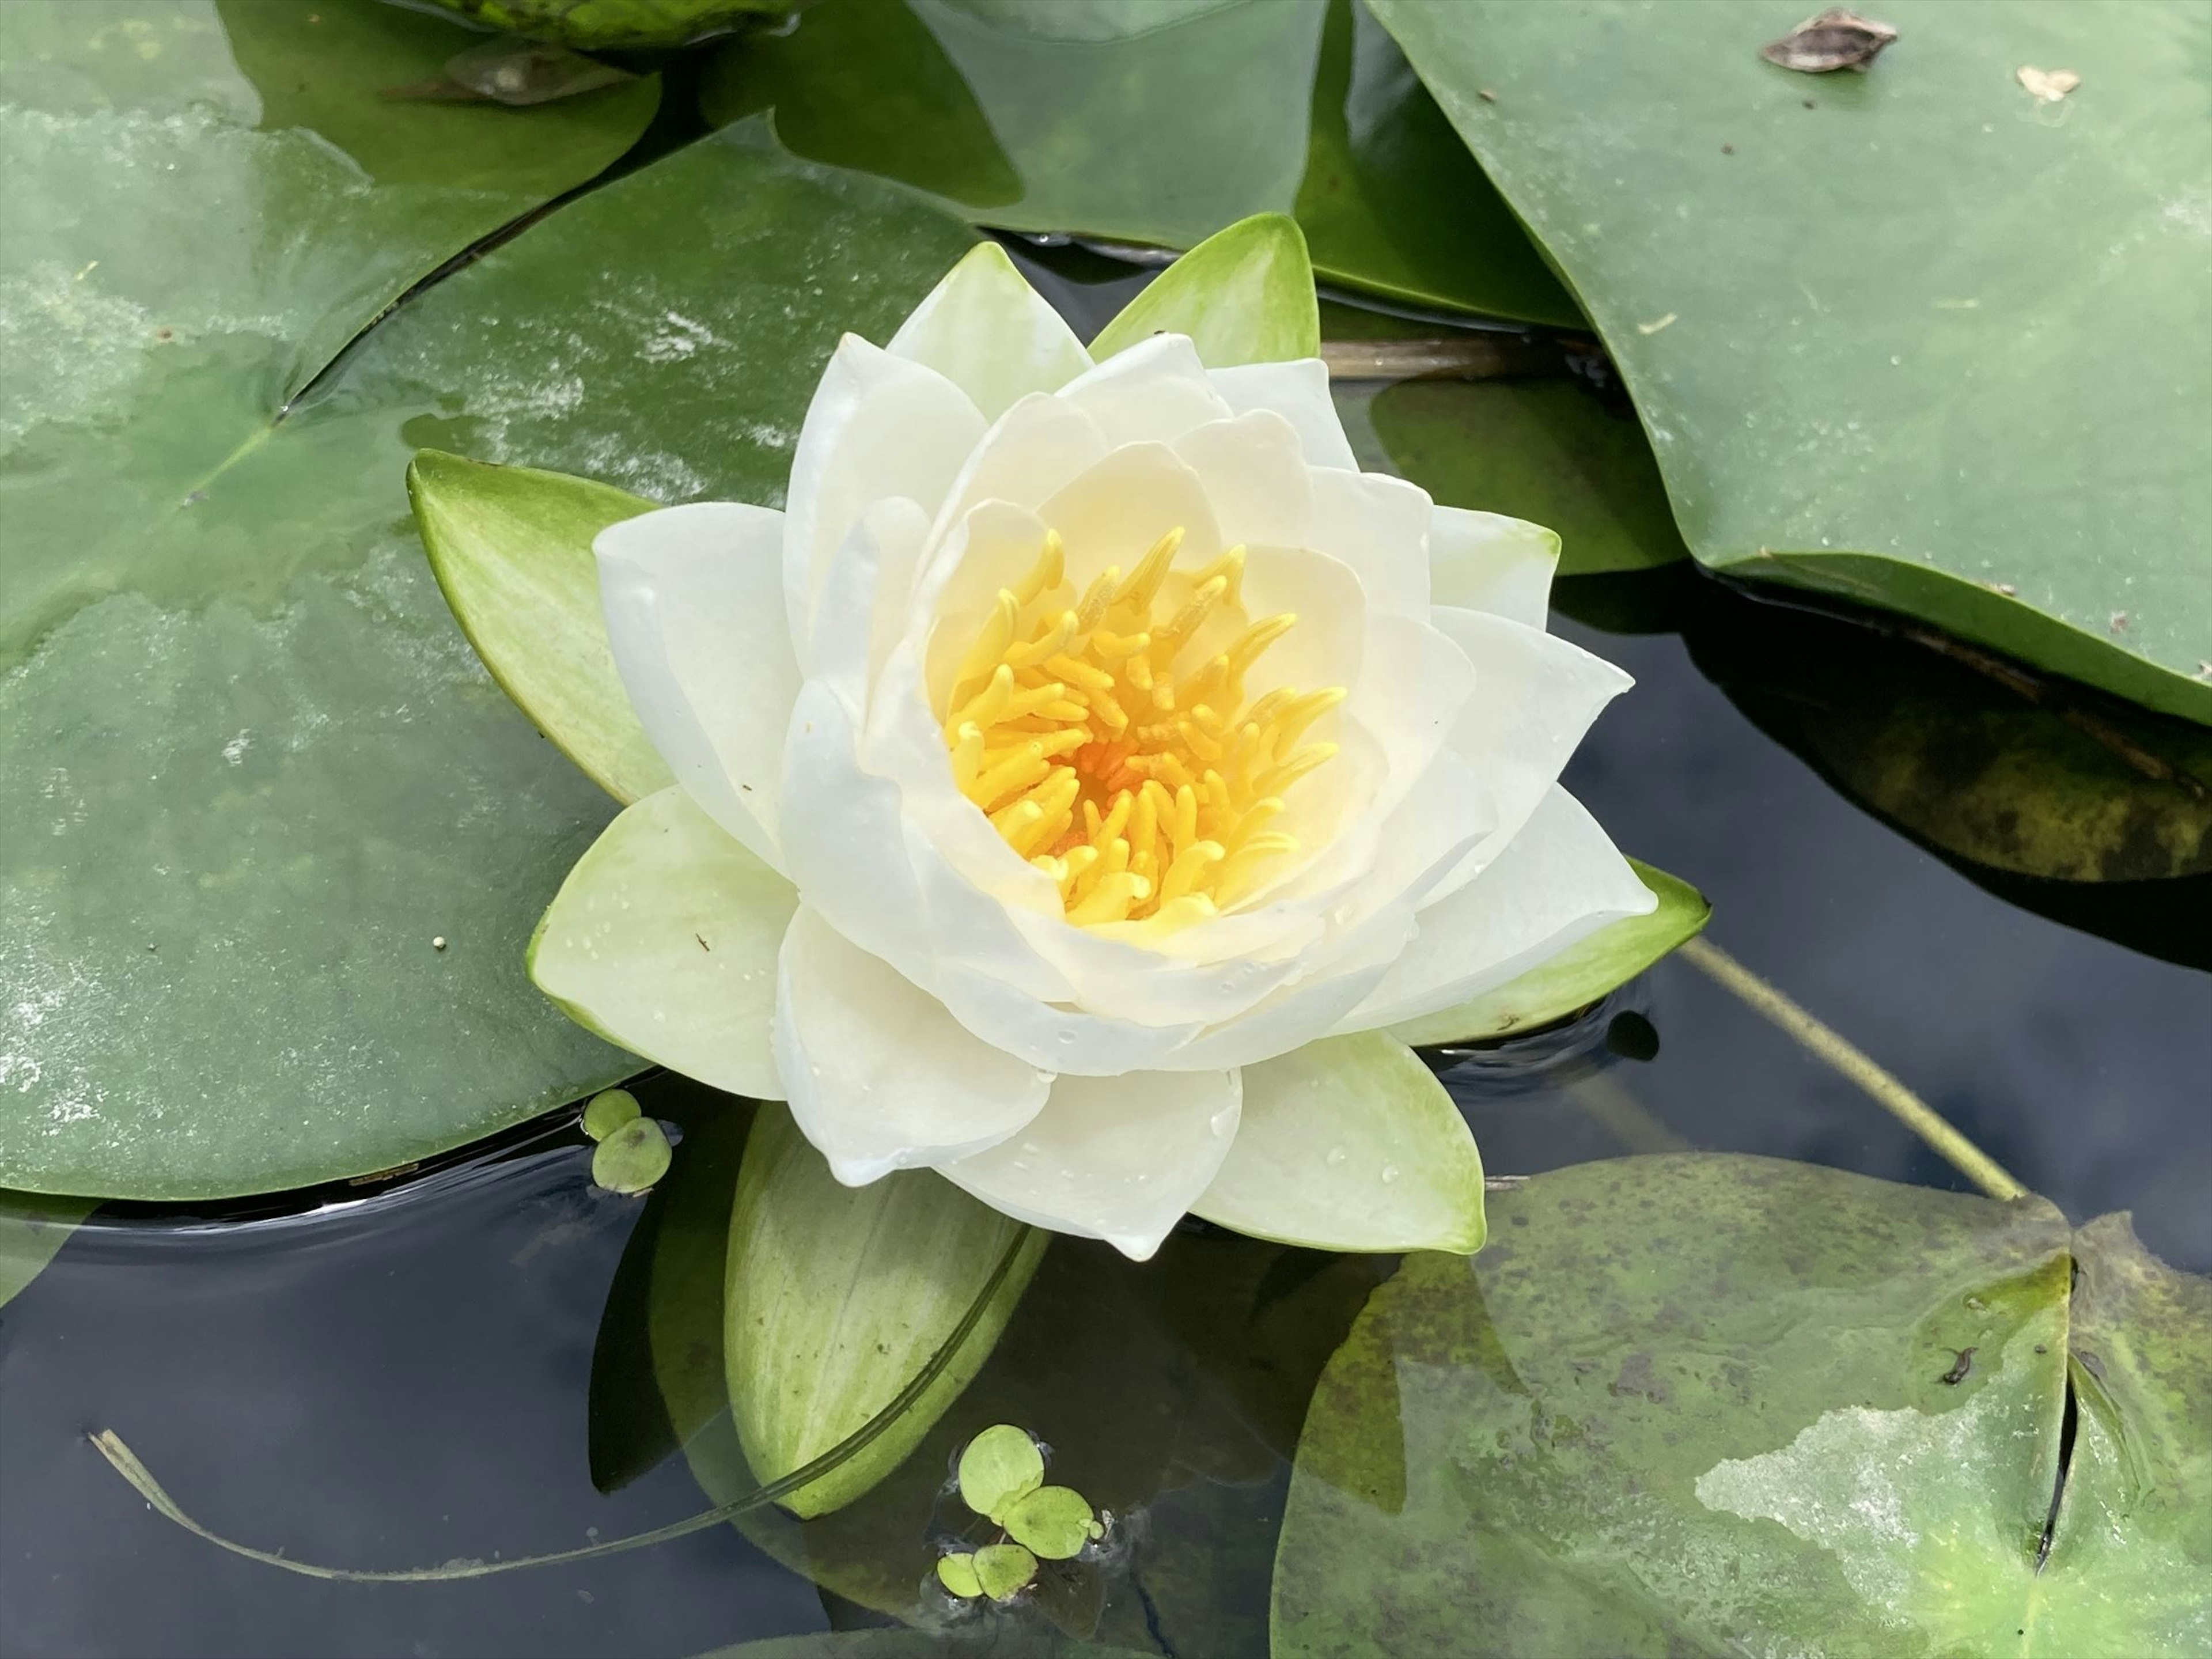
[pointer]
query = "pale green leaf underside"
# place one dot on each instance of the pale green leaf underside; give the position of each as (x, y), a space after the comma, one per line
(837, 1297)
(1848, 328)
(512, 550)
(1717, 1405)
(1575, 978)
(1351, 1144)
(1244, 295)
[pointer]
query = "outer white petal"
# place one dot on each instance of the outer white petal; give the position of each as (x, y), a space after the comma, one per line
(1154, 393)
(690, 599)
(1257, 477)
(1298, 392)
(1350, 1143)
(863, 608)
(879, 1077)
(1486, 561)
(1120, 1158)
(662, 939)
(1379, 526)
(991, 334)
(1559, 881)
(1535, 696)
(878, 426)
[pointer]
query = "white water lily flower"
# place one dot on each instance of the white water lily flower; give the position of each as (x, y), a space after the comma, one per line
(1083, 753)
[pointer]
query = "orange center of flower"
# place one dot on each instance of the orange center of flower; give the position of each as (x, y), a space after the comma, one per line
(1143, 788)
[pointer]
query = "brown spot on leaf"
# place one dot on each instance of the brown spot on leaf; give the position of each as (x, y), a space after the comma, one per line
(1836, 40)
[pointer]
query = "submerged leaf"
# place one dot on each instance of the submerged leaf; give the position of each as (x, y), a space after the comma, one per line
(838, 1297)
(33, 1227)
(1000, 1465)
(615, 25)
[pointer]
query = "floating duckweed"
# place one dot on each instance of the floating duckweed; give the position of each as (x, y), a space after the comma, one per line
(632, 1157)
(956, 1572)
(1053, 1522)
(1004, 1570)
(1000, 1465)
(607, 1111)
(1001, 1476)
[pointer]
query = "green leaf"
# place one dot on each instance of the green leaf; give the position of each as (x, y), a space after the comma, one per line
(1000, 1464)
(1351, 1144)
(632, 1158)
(1052, 1521)
(1152, 123)
(1244, 295)
(956, 1572)
(615, 25)
(219, 638)
(1545, 450)
(1575, 978)
(1715, 1404)
(511, 550)
(1847, 326)
(607, 1111)
(32, 1228)
(1004, 1570)
(837, 1297)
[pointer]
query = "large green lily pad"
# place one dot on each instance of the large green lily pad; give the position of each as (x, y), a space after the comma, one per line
(1931, 344)
(1705, 1404)
(265, 771)
(1156, 122)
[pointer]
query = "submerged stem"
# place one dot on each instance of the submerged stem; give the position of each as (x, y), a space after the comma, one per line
(140, 1478)
(1970, 1160)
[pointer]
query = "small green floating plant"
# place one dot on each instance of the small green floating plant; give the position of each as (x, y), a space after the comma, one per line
(633, 1149)
(1001, 1478)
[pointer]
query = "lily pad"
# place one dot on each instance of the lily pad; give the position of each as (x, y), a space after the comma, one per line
(33, 1228)
(1847, 328)
(242, 695)
(1712, 1404)
(838, 1297)
(1156, 124)
(1575, 978)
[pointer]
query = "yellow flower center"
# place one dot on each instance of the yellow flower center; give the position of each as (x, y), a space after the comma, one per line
(1142, 788)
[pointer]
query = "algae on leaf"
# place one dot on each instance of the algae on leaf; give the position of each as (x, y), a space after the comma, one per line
(1710, 1404)
(1926, 344)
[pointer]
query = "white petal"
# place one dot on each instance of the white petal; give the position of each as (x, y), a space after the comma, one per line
(879, 1077)
(1350, 1143)
(1153, 392)
(878, 426)
(1119, 1159)
(690, 599)
(1255, 477)
(1298, 392)
(1034, 449)
(1379, 526)
(991, 334)
(1557, 882)
(863, 607)
(662, 939)
(1486, 561)
(1112, 513)
(1535, 696)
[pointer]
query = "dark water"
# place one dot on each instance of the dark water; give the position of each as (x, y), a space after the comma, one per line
(395, 1381)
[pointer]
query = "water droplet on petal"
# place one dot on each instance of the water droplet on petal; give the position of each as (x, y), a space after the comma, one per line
(1389, 1173)
(1336, 1156)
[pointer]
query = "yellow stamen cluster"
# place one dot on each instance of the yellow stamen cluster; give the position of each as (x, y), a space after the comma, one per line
(1144, 790)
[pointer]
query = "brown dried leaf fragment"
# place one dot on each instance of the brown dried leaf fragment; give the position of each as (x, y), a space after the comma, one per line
(1836, 40)
(2047, 86)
